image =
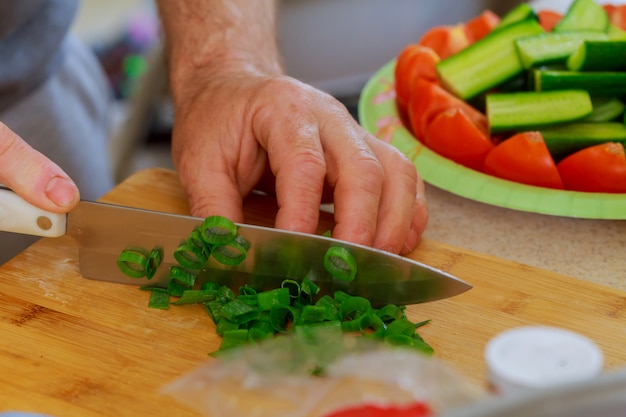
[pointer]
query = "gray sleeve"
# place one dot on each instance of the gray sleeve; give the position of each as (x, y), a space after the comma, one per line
(31, 35)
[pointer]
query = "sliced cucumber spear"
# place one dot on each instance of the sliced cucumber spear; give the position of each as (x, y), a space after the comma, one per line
(533, 110)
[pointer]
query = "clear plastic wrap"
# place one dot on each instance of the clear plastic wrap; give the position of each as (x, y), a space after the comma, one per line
(292, 376)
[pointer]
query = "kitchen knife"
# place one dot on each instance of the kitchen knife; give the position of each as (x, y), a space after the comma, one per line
(102, 231)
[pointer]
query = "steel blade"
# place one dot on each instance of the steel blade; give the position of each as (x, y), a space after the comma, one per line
(103, 231)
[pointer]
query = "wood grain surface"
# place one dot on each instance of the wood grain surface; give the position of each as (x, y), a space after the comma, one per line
(76, 347)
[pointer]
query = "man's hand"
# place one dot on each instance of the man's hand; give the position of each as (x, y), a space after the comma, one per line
(33, 176)
(237, 117)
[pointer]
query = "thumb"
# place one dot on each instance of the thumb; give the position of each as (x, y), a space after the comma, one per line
(34, 177)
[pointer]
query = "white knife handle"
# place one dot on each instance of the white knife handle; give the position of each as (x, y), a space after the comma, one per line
(19, 216)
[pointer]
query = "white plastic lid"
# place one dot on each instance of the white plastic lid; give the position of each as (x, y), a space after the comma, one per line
(538, 357)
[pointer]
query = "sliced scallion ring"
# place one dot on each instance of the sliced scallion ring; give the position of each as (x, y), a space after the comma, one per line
(217, 230)
(154, 261)
(189, 256)
(231, 253)
(133, 262)
(340, 263)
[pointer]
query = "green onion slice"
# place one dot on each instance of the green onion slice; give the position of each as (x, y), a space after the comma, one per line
(231, 253)
(340, 263)
(189, 256)
(159, 298)
(133, 262)
(195, 297)
(182, 276)
(217, 230)
(154, 261)
(278, 296)
(239, 312)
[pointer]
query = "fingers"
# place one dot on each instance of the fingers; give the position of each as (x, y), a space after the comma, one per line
(297, 161)
(33, 176)
(378, 195)
(402, 213)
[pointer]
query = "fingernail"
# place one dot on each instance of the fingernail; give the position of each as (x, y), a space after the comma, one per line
(62, 192)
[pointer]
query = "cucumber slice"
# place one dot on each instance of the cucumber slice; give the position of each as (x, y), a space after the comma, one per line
(553, 47)
(520, 12)
(563, 140)
(597, 83)
(605, 109)
(532, 110)
(583, 15)
(486, 63)
(596, 55)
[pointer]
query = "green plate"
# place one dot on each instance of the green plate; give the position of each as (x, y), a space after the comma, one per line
(379, 115)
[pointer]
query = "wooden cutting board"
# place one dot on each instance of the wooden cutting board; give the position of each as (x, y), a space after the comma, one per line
(75, 347)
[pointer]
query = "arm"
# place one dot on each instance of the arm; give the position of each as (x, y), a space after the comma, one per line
(33, 176)
(237, 116)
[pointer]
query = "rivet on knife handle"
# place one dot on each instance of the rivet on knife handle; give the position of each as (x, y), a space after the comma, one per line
(19, 216)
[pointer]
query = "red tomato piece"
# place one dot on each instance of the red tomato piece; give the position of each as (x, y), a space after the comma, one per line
(609, 9)
(445, 40)
(548, 19)
(429, 99)
(480, 26)
(524, 158)
(413, 62)
(417, 409)
(453, 135)
(597, 169)
(617, 15)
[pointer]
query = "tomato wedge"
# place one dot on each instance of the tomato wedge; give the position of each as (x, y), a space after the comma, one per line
(480, 26)
(548, 19)
(524, 158)
(617, 14)
(429, 99)
(445, 40)
(597, 169)
(413, 62)
(453, 135)
(417, 409)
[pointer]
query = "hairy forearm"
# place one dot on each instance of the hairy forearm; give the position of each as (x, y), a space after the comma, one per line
(205, 38)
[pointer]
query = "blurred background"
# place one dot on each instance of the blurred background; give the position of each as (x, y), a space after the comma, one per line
(335, 45)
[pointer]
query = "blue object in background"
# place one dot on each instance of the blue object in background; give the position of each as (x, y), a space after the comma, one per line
(21, 414)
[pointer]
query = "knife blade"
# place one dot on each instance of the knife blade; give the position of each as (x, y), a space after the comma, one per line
(102, 231)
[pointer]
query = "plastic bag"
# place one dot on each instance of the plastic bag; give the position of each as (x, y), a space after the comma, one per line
(292, 376)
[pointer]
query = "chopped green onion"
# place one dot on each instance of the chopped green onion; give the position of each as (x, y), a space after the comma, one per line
(231, 253)
(340, 263)
(390, 312)
(239, 312)
(281, 316)
(154, 261)
(401, 327)
(195, 297)
(312, 314)
(293, 287)
(245, 290)
(133, 262)
(182, 276)
(267, 299)
(176, 288)
(225, 294)
(159, 298)
(217, 230)
(224, 325)
(250, 315)
(189, 256)
(234, 338)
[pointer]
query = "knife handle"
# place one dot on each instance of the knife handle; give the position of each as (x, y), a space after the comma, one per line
(19, 216)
